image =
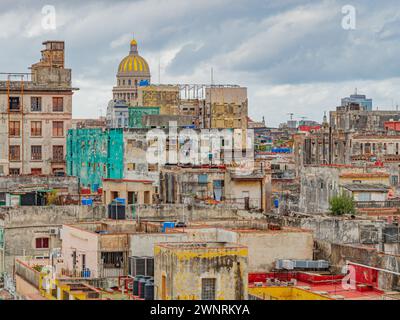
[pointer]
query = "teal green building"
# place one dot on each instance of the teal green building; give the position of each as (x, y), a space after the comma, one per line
(94, 154)
(136, 114)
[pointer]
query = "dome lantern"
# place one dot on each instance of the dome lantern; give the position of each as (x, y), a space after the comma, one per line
(134, 49)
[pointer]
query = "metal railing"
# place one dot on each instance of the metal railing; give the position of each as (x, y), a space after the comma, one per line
(378, 204)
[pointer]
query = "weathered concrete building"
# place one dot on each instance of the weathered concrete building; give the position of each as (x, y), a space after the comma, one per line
(134, 191)
(34, 231)
(265, 245)
(225, 107)
(35, 114)
(214, 184)
(320, 183)
(200, 271)
(100, 247)
(353, 118)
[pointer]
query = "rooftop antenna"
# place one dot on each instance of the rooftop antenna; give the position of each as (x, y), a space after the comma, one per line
(291, 114)
(212, 76)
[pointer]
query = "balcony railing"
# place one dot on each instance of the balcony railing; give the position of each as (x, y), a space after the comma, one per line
(378, 204)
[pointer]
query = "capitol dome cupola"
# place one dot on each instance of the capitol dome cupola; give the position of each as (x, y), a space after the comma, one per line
(133, 66)
(133, 72)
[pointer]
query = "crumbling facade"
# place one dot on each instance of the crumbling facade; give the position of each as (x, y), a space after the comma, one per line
(200, 271)
(35, 115)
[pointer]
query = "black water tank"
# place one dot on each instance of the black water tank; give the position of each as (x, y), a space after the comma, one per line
(149, 290)
(116, 212)
(136, 285)
(142, 283)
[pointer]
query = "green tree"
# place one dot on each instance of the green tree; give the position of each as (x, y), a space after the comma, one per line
(341, 204)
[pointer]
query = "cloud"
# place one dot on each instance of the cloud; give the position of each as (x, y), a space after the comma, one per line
(278, 49)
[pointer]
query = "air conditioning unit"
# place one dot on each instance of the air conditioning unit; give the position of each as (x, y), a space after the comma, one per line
(54, 231)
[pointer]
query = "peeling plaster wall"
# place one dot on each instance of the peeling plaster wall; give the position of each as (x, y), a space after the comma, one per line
(184, 270)
(335, 230)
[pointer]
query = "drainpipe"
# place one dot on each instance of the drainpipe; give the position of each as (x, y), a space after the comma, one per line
(261, 194)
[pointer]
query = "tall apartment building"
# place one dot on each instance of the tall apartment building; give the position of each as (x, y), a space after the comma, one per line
(35, 115)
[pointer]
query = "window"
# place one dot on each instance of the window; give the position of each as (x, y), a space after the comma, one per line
(36, 153)
(36, 128)
(114, 195)
(153, 167)
(36, 171)
(112, 259)
(131, 166)
(14, 172)
(14, 104)
(42, 243)
(15, 153)
(36, 104)
(58, 153)
(58, 104)
(132, 197)
(147, 197)
(14, 129)
(208, 289)
(58, 128)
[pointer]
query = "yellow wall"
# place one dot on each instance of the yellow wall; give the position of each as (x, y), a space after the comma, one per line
(285, 293)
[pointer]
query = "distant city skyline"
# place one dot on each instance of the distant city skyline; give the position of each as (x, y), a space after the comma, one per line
(294, 56)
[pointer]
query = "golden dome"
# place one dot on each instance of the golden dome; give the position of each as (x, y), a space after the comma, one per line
(134, 64)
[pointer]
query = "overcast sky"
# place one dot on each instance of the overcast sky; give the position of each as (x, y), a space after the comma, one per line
(292, 55)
